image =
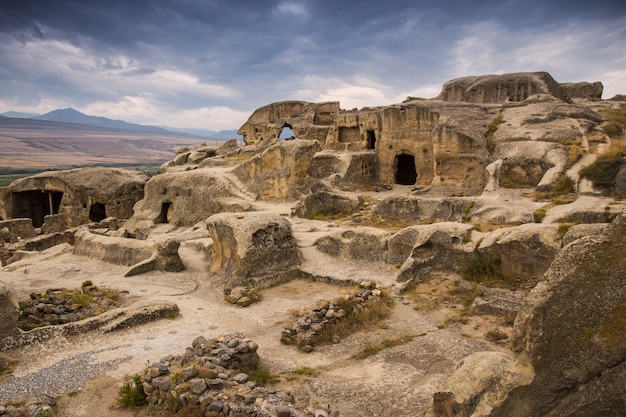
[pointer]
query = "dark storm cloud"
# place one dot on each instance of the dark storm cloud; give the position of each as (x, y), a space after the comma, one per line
(182, 55)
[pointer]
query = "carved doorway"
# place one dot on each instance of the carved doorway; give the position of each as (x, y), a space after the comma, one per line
(406, 174)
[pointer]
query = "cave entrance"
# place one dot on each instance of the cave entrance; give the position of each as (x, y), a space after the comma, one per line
(286, 133)
(406, 173)
(371, 139)
(97, 212)
(164, 215)
(35, 205)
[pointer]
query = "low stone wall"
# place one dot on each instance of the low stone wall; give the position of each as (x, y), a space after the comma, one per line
(16, 229)
(115, 250)
(210, 378)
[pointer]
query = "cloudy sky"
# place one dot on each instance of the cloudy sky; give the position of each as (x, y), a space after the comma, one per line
(211, 63)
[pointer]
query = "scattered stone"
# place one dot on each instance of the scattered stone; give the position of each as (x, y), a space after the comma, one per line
(217, 385)
(315, 326)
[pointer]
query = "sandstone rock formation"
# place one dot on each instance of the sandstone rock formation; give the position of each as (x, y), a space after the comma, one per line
(8, 310)
(80, 195)
(583, 90)
(255, 248)
(570, 337)
(500, 88)
(279, 170)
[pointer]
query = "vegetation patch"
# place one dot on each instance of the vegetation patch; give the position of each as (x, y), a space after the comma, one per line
(493, 126)
(488, 271)
(131, 393)
(329, 321)
(604, 170)
(615, 121)
(539, 215)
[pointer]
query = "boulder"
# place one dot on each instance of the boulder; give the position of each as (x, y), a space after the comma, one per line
(524, 251)
(571, 330)
(115, 250)
(479, 381)
(501, 88)
(583, 90)
(327, 203)
(530, 164)
(364, 243)
(280, 170)
(8, 310)
(440, 246)
(255, 248)
(578, 231)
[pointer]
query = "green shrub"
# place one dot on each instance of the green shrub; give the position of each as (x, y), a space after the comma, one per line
(604, 170)
(493, 126)
(563, 185)
(261, 376)
(539, 215)
(487, 271)
(87, 283)
(131, 393)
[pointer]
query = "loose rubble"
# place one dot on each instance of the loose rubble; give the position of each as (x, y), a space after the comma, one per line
(328, 321)
(61, 306)
(214, 377)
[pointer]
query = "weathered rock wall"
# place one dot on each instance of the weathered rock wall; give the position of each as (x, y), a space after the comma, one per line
(186, 198)
(307, 121)
(495, 89)
(573, 328)
(280, 170)
(83, 195)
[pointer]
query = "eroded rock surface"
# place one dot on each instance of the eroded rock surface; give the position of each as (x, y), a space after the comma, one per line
(250, 248)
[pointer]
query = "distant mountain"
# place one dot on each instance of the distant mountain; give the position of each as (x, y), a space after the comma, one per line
(205, 133)
(70, 115)
(74, 116)
(19, 114)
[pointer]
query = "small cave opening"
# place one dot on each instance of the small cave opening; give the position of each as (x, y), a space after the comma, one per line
(97, 212)
(165, 214)
(286, 133)
(35, 205)
(371, 140)
(406, 174)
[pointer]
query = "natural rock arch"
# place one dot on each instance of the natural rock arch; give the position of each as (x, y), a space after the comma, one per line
(286, 133)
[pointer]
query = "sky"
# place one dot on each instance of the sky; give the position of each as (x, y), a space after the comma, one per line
(210, 63)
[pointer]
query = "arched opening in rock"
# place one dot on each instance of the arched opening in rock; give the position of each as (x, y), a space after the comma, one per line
(286, 133)
(35, 205)
(97, 212)
(371, 139)
(164, 215)
(406, 174)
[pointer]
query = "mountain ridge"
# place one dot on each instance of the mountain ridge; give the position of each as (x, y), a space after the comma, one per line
(71, 115)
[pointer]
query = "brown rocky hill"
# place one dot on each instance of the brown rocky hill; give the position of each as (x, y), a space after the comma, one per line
(39, 144)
